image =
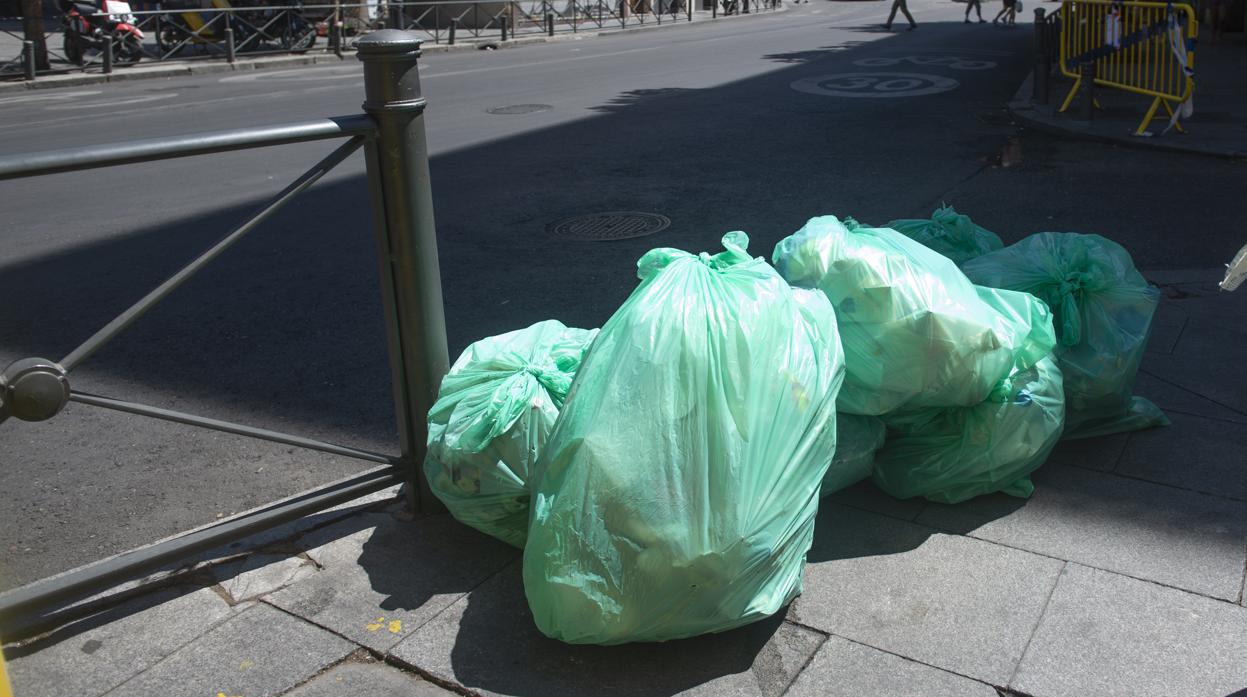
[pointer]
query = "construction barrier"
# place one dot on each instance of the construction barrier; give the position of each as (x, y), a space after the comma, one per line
(1143, 47)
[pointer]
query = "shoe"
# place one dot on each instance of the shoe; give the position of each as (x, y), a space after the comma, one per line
(967, 20)
(982, 21)
(912, 27)
(887, 27)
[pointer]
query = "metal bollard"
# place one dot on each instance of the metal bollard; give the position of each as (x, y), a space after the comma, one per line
(549, 24)
(231, 53)
(1086, 76)
(28, 59)
(396, 16)
(714, 9)
(402, 203)
(108, 54)
(339, 38)
(1039, 82)
(454, 24)
(505, 21)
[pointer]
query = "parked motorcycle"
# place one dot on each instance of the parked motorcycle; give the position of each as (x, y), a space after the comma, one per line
(253, 27)
(90, 27)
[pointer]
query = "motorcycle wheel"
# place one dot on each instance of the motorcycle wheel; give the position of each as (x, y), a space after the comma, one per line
(170, 35)
(73, 49)
(299, 39)
(128, 49)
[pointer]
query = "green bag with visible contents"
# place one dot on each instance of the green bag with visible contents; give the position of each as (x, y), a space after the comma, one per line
(677, 493)
(494, 411)
(857, 440)
(950, 233)
(916, 332)
(951, 455)
(1103, 313)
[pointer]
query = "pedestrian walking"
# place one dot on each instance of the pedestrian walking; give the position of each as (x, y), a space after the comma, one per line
(978, 6)
(900, 5)
(1009, 11)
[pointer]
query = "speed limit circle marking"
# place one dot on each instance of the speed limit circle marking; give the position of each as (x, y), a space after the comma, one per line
(875, 85)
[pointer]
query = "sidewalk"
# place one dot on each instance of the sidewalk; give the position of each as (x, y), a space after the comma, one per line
(1123, 575)
(1217, 128)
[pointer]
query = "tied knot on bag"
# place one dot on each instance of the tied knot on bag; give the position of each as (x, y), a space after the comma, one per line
(1069, 291)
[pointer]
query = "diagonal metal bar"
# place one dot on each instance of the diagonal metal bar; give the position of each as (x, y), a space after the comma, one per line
(93, 578)
(137, 310)
(230, 427)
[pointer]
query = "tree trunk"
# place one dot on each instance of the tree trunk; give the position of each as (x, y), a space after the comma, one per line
(32, 27)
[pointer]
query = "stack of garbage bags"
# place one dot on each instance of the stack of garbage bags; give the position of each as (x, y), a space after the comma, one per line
(662, 474)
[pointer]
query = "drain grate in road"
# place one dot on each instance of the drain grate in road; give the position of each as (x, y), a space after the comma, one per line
(519, 109)
(616, 225)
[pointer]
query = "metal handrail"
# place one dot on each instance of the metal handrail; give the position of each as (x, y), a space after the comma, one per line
(391, 133)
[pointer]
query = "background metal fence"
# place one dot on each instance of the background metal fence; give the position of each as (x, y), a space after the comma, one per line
(174, 33)
(391, 133)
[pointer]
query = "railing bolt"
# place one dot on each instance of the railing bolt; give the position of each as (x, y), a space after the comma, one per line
(33, 389)
(28, 59)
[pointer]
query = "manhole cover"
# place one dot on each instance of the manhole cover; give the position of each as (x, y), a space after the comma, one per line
(519, 109)
(610, 226)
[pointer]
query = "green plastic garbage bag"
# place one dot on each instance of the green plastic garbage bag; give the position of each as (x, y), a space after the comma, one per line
(916, 332)
(495, 409)
(677, 493)
(950, 233)
(1103, 313)
(951, 455)
(857, 440)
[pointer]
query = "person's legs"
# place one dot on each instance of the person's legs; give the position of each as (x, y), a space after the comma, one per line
(892, 14)
(905, 11)
(1000, 14)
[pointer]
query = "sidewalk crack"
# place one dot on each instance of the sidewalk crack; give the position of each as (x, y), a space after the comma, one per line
(1035, 630)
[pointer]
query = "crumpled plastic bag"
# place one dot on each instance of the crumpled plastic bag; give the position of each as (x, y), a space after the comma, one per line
(951, 455)
(950, 233)
(857, 440)
(916, 332)
(1102, 309)
(677, 493)
(494, 411)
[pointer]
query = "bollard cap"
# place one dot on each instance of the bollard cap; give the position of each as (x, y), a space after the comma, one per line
(389, 43)
(34, 389)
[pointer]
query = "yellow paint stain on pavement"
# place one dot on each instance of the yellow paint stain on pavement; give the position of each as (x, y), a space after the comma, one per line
(222, 694)
(375, 625)
(396, 626)
(246, 664)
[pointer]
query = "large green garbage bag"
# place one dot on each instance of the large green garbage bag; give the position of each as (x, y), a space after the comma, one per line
(950, 233)
(916, 332)
(495, 409)
(951, 455)
(857, 440)
(677, 493)
(1103, 313)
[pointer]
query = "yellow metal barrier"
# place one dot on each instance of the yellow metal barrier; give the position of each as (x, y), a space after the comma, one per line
(1135, 47)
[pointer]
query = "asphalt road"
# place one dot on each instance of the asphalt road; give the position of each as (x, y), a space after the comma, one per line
(700, 123)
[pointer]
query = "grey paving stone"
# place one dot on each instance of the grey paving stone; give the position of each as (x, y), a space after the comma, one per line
(1208, 359)
(1091, 453)
(372, 679)
(384, 578)
(487, 642)
(257, 575)
(258, 652)
(1173, 399)
(1194, 453)
(1180, 538)
(95, 654)
(866, 496)
(844, 668)
(1165, 333)
(1111, 636)
(957, 603)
